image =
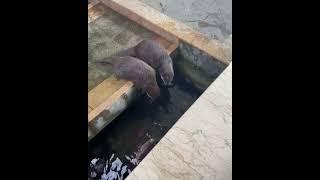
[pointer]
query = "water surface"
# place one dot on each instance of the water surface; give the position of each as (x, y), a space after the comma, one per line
(118, 149)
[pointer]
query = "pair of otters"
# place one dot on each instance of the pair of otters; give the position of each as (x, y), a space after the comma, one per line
(139, 65)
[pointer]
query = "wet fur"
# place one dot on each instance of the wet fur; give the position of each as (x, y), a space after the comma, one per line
(140, 73)
(155, 55)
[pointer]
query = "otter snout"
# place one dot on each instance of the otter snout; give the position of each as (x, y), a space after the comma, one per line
(167, 79)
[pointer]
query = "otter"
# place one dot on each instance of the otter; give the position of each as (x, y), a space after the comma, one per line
(140, 73)
(155, 55)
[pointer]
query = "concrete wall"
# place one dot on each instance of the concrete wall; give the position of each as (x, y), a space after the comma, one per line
(211, 17)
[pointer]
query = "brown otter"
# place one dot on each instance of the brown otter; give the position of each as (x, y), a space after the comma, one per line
(155, 55)
(140, 73)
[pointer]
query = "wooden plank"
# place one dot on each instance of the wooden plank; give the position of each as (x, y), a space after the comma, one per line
(104, 90)
(108, 102)
(89, 109)
(167, 27)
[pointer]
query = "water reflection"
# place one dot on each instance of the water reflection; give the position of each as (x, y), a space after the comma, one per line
(119, 148)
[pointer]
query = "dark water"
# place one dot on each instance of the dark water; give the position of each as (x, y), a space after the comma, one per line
(117, 150)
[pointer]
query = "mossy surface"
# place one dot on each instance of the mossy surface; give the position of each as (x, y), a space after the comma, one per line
(107, 35)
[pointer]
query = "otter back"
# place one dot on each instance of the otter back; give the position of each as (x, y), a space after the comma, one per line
(140, 73)
(153, 54)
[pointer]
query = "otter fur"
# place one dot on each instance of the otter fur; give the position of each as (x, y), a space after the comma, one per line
(140, 73)
(155, 55)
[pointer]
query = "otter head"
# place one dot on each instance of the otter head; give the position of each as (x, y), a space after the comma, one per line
(153, 92)
(166, 72)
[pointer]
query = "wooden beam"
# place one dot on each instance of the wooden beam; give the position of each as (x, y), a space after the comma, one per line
(108, 102)
(104, 90)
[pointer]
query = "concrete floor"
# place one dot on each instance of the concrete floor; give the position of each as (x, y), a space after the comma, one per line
(210, 17)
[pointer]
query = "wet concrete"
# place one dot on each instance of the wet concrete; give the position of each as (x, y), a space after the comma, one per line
(211, 17)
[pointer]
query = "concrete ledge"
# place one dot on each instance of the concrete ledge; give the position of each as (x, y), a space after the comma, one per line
(199, 145)
(169, 28)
